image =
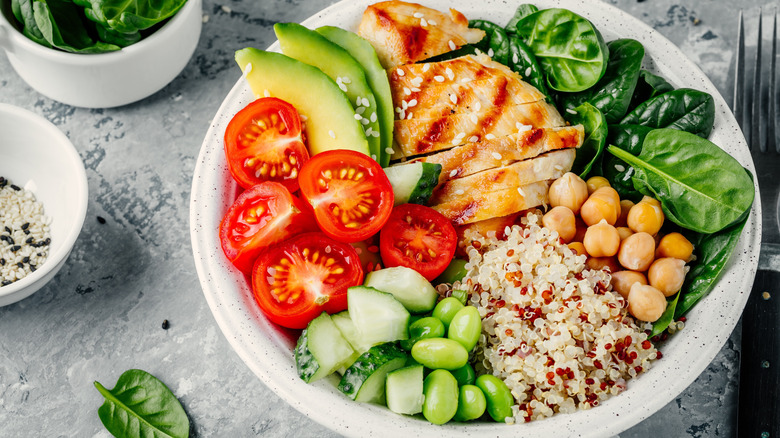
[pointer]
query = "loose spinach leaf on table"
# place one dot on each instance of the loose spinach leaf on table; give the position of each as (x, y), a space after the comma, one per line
(521, 12)
(141, 405)
(495, 41)
(595, 137)
(61, 24)
(523, 62)
(612, 94)
(570, 50)
(616, 171)
(667, 317)
(649, 86)
(700, 187)
(130, 16)
(684, 109)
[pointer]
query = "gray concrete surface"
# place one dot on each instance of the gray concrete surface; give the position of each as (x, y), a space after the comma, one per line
(103, 312)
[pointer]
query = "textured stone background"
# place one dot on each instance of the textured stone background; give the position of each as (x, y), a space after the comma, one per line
(102, 314)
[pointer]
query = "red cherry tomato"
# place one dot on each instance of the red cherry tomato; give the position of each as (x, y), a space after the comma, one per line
(260, 217)
(295, 281)
(418, 237)
(264, 142)
(350, 193)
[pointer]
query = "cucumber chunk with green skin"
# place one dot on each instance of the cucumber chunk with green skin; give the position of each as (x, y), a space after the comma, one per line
(314, 49)
(347, 328)
(365, 380)
(321, 349)
(455, 271)
(364, 53)
(404, 390)
(408, 286)
(378, 316)
(413, 183)
(321, 101)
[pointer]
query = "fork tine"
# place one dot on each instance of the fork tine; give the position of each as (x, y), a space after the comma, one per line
(773, 95)
(755, 134)
(738, 104)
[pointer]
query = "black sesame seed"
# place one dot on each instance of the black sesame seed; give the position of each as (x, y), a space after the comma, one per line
(165, 324)
(20, 265)
(26, 260)
(26, 231)
(15, 248)
(15, 187)
(6, 282)
(29, 240)
(2, 262)
(8, 230)
(25, 225)
(8, 239)
(101, 220)
(33, 268)
(47, 241)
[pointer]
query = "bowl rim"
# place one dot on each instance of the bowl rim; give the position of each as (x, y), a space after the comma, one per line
(56, 258)
(93, 59)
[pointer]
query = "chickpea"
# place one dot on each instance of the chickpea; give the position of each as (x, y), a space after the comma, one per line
(568, 191)
(604, 203)
(645, 302)
(597, 263)
(646, 216)
(596, 182)
(637, 252)
(667, 275)
(625, 207)
(601, 240)
(675, 245)
(578, 248)
(623, 280)
(561, 219)
(624, 232)
(579, 236)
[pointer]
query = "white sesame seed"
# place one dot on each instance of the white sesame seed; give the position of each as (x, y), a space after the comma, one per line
(205, 19)
(399, 72)
(558, 167)
(478, 106)
(398, 110)
(496, 155)
(373, 157)
(453, 173)
(423, 23)
(404, 104)
(372, 117)
(449, 73)
(426, 67)
(366, 102)
(303, 118)
(455, 141)
(409, 116)
(332, 134)
(417, 81)
(520, 190)
(438, 78)
(432, 23)
(459, 192)
(514, 58)
(490, 53)
(248, 68)
(454, 99)
(360, 110)
(375, 133)
(524, 128)
(342, 87)
(620, 167)
(364, 121)
(407, 91)
(474, 118)
(415, 89)
(461, 135)
(226, 9)
(346, 80)
(357, 101)
(571, 111)
(358, 117)
(412, 103)
(418, 15)
(490, 136)
(528, 71)
(452, 45)
(266, 93)
(389, 151)
(465, 80)
(473, 139)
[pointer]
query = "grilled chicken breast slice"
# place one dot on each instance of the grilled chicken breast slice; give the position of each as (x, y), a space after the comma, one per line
(403, 33)
(547, 166)
(482, 206)
(471, 158)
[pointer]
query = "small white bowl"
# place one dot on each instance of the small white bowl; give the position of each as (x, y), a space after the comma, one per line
(104, 80)
(39, 157)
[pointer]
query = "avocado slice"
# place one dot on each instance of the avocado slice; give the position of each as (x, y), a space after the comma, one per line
(364, 53)
(313, 93)
(312, 48)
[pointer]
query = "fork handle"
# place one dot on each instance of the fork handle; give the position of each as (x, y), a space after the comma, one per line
(759, 382)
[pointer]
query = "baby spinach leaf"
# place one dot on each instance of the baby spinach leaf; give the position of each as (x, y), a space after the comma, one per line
(141, 405)
(16, 10)
(612, 94)
(700, 187)
(684, 109)
(119, 38)
(713, 252)
(667, 317)
(595, 137)
(61, 25)
(649, 86)
(616, 171)
(130, 16)
(521, 12)
(523, 61)
(495, 41)
(24, 9)
(569, 48)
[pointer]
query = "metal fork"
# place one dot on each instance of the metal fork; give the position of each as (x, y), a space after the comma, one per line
(755, 108)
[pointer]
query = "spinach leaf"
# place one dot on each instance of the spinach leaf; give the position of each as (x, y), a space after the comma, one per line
(569, 48)
(130, 16)
(612, 94)
(712, 254)
(521, 12)
(616, 171)
(464, 50)
(61, 24)
(24, 9)
(141, 405)
(595, 137)
(667, 317)
(649, 86)
(16, 10)
(119, 38)
(523, 62)
(495, 43)
(684, 109)
(700, 187)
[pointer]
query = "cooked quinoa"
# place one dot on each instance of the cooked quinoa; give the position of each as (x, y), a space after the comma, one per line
(24, 233)
(552, 329)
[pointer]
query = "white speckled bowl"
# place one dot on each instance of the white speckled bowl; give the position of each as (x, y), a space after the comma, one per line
(104, 80)
(267, 349)
(39, 157)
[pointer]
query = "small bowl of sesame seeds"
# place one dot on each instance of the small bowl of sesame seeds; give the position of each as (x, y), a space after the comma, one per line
(43, 201)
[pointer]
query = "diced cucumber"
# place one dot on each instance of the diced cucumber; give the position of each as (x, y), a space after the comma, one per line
(407, 286)
(364, 381)
(378, 316)
(404, 390)
(321, 349)
(413, 183)
(344, 323)
(455, 271)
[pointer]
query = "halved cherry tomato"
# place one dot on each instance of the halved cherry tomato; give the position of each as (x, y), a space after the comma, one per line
(261, 216)
(295, 281)
(418, 237)
(264, 142)
(350, 193)
(368, 251)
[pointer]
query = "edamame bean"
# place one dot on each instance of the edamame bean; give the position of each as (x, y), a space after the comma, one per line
(465, 327)
(423, 328)
(465, 375)
(471, 403)
(461, 295)
(499, 398)
(440, 353)
(441, 397)
(446, 309)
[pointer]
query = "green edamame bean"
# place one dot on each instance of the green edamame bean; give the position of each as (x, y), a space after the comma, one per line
(471, 403)
(499, 398)
(465, 375)
(441, 397)
(466, 327)
(446, 309)
(440, 353)
(423, 328)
